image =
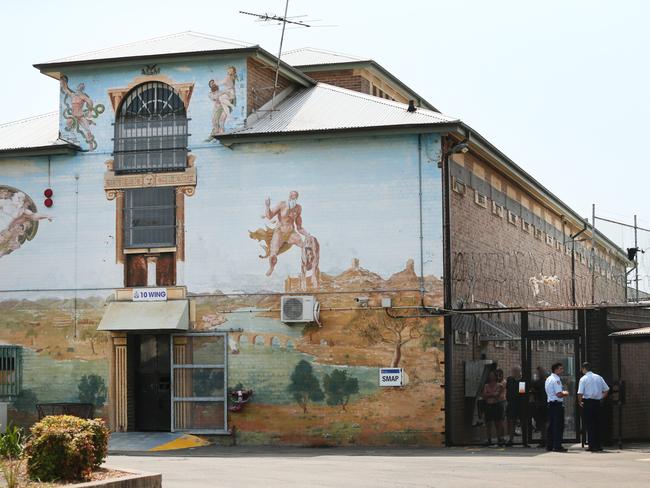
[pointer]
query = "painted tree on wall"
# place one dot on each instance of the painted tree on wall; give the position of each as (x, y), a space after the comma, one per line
(94, 337)
(304, 385)
(381, 328)
(92, 389)
(339, 387)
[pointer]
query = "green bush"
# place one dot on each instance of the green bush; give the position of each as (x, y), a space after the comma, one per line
(11, 442)
(63, 447)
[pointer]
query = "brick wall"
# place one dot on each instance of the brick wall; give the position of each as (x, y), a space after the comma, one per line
(260, 84)
(343, 78)
(496, 259)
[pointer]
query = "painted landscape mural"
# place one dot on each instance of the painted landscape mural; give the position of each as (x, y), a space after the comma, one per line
(340, 219)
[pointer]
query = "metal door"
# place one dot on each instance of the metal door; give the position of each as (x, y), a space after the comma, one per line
(199, 383)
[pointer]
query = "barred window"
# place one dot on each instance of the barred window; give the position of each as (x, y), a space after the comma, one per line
(150, 217)
(150, 130)
(10, 371)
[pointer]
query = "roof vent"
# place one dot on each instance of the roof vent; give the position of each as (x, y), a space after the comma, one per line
(411, 106)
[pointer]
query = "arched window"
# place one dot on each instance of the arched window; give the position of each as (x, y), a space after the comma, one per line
(150, 130)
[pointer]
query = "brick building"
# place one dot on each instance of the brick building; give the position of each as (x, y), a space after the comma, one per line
(180, 231)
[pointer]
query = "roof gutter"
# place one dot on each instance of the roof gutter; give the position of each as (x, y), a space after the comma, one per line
(240, 138)
(54, 150)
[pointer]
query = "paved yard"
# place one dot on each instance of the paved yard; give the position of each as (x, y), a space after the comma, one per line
(442, 468)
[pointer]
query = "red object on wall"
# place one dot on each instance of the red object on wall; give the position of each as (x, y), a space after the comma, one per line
(48, 197)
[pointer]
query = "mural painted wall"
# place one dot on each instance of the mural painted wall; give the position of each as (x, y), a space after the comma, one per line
(339, 219)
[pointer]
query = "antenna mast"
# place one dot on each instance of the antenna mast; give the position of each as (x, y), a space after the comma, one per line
(284, 20)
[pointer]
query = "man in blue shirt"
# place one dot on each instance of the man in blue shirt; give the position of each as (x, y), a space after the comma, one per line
(592, 390)
(555, 394)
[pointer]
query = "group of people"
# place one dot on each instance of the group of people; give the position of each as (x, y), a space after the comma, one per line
(503, 402)
(502, 405)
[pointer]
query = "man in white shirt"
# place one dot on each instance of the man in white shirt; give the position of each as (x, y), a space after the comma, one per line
(592, 389)
(555, 394)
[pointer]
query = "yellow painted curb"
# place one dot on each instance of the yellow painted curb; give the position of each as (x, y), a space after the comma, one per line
(186, 441)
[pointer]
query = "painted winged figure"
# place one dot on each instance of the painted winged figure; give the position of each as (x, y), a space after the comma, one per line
(18, 219)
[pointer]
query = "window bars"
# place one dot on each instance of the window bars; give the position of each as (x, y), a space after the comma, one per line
(10, 371)
(150, 217)
(150, 130)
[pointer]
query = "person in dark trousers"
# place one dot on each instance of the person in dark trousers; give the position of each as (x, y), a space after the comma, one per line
(555, 394)
(592, 390)
(515, 407)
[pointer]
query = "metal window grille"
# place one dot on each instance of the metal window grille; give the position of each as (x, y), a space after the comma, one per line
(150, 217)
(199, 382)
(10, 371)
(150, 131)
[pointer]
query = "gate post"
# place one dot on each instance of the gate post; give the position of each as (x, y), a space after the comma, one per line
(527, 375)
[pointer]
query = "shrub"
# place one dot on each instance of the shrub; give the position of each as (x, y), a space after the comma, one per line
(11, 442)
(63, 447)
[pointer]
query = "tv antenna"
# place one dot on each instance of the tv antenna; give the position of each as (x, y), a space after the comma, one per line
(283, 20)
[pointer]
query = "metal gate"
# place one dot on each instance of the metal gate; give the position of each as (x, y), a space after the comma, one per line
(199, 375)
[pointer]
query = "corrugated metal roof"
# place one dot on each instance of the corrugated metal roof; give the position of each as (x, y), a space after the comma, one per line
(642, 332)
(33, 132)
(327, 107)
(182, 42)
(307, 56)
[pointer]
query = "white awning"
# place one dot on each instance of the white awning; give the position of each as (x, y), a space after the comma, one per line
(133, 316)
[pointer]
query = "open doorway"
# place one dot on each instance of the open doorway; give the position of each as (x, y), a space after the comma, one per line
(149, 382)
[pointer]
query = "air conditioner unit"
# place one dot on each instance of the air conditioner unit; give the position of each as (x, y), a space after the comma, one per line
(299, 309)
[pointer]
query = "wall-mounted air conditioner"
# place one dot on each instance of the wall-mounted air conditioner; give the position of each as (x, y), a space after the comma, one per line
(299, 309)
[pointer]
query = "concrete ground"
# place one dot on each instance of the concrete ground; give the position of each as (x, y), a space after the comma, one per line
(273, 467)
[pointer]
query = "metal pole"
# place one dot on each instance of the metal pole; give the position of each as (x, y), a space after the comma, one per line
(593, 253)
(636, 262)
(277, 68)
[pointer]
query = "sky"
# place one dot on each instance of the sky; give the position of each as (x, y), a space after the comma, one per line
(560, 86)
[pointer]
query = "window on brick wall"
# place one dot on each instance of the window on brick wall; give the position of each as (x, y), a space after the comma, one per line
(497, 209)
(540, 345)
(512, 218)
(10, 371)
(513, 345)
(551, 346)
(525, 226)
(549, 240)
(458, 185)
(480, 199)
(461, 337)
(538, 233)
(500, 344)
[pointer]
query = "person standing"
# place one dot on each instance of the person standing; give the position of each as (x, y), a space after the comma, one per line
(515, 399)
(592, 390)
(493, 412)
(555, 394)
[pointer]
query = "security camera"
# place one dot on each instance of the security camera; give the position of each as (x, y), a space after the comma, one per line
(362, 301)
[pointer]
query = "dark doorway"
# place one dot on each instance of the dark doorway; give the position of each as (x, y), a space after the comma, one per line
(150, 382)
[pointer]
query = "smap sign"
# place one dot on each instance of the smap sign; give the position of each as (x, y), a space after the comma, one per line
(390, 377)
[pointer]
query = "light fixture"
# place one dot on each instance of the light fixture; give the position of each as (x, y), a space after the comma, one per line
(461, 147)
